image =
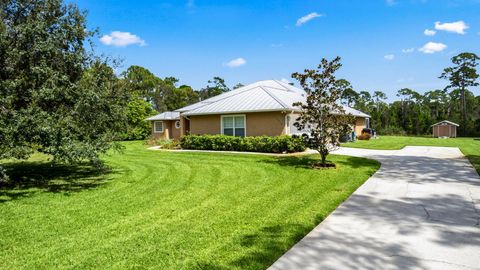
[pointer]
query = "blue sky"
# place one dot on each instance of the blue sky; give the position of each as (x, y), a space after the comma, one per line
(383, 43)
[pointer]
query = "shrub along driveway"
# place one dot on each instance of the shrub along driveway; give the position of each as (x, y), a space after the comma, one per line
(421, 210)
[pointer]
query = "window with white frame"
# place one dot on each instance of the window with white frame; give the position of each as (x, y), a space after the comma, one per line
(177, 124)
(233, 125)
(158, 126)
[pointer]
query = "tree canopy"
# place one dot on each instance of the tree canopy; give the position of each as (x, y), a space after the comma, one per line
(55, 96)
(461, 76)
(215, 87)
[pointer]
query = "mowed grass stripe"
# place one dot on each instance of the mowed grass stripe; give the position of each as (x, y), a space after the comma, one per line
(174, 211)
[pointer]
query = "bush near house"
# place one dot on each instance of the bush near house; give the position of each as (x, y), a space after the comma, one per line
(364, 137)
(265, 144)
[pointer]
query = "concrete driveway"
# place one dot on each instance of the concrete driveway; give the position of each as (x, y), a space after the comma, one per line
(421, 210)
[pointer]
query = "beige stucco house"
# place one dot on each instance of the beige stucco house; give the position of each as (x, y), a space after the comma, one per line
(166, 125)
(261, 108)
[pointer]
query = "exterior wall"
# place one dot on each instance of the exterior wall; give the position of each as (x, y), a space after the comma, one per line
(169, 130)
(266, 123)
(205, 124)
(445, 131)
(360, 124)
(175, 132)
(257, 124)
(184, 126)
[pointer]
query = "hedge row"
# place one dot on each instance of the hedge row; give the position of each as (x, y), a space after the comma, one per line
(264, 144)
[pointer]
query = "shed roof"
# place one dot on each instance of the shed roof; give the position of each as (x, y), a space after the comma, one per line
(262, 96)
(165, 116)
(446, 122)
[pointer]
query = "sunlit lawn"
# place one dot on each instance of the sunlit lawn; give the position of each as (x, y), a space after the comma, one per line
(167, 210)
(469, 146)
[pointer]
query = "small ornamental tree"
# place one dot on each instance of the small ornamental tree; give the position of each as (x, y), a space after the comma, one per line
(323, 119)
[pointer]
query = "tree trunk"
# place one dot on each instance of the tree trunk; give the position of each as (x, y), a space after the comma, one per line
(324, 159)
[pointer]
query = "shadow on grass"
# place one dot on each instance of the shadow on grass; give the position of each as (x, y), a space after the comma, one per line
(267, 244)
(27, 178)
(475, 161)
(262, 247)
(308, 161)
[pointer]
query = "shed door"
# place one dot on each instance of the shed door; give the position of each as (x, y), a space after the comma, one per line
(444, 131)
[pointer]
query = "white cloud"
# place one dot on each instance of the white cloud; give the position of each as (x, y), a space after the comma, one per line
(454, 27)
(276, 45)
(432, 47)
(389, 57)
(409, 50)
(122, 39)
(236, 62)
(307, 18)
(429, 32)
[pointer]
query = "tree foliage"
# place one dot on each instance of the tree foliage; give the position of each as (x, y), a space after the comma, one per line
(461, 76)
(137, 127)
(215, 87)
(324, 120)
(413, 112)
(149, 94)
(55, 96)
(238, 85)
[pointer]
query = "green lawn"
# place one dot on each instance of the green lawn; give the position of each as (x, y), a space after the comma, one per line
(470, 147)
(167, 210)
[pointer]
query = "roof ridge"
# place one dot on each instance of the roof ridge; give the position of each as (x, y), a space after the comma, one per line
(283, 86)
(274, 97)
(447, 121)
(276, 88)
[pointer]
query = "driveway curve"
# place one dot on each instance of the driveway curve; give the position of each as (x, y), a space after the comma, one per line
(420, 210)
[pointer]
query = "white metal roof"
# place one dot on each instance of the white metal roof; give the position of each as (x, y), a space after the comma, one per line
(269, 95)
(355, 112)
(446, 122)
(165, 116)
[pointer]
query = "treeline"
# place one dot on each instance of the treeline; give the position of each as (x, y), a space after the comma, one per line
(414, 113)
(149, 94)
